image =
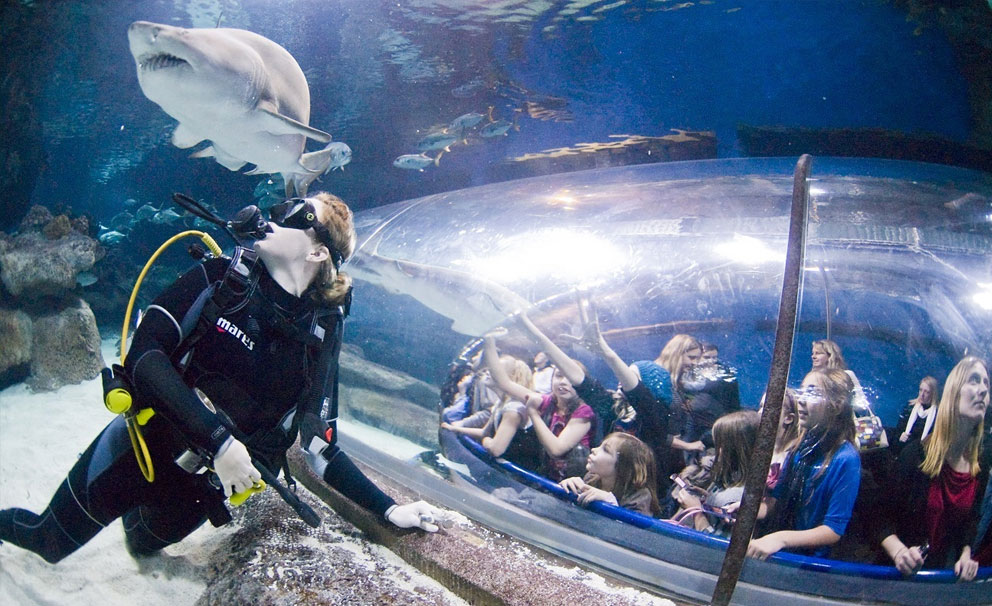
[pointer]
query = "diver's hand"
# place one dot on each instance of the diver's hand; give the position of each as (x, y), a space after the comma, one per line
(495, 333)
(233, 467)
(418, 514)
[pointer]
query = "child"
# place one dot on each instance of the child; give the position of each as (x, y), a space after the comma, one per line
(734, 435)
(786, 438)
(564, 425)
(505, 432)
(814, 498)
(621, 471)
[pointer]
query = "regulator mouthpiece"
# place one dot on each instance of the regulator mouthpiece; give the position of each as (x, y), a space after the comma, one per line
(248, 223)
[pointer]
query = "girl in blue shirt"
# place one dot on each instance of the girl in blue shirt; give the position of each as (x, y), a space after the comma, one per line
(812, 502)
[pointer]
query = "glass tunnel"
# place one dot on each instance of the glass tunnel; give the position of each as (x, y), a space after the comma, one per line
(897, 271)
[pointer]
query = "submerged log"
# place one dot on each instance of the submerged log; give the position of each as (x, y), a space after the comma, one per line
(621, 150)
(861, 143)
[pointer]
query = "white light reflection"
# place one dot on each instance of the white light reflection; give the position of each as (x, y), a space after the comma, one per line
(564, 254)
(749, 251)
(983, 298)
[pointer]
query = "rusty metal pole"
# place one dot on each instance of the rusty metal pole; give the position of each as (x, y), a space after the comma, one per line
(754, 485)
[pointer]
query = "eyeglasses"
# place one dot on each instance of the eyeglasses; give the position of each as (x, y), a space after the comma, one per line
(299, 213)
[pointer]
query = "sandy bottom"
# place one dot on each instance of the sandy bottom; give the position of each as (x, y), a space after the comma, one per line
(41, 436)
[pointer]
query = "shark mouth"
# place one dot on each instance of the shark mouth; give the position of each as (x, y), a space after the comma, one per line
(159, 61)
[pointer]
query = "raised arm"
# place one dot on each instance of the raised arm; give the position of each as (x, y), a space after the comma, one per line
(490, 358)
(558, 446)
(566, 365)
(507, 428)
(594, 339)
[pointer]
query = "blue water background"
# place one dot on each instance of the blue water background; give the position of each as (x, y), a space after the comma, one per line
(383, 73)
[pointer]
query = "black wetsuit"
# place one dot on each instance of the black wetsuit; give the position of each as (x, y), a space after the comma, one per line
(253, 364)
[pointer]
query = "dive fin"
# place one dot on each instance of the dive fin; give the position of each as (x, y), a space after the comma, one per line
(278, 124)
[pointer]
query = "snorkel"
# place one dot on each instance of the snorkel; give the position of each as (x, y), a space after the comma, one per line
(247, 224)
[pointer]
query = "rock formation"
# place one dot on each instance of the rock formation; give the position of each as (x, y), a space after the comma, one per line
(49, 334)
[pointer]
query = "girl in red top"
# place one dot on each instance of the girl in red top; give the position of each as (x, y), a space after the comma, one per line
(937, 484)
(565, 425)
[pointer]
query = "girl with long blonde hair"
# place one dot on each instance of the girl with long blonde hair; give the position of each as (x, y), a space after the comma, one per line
(502, 435)
(922, 411)
(937, 485)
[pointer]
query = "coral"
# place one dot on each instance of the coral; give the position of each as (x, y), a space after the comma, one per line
(57, 228)
(81, 224)
(36, 219)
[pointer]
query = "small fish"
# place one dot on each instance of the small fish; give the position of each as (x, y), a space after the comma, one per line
(202, 224)
(111, 237)
(145, 213)
(436, 141)
(121, 220)
(130, 203)
(340, 155)
(465, 121)
(413, 162)
(495, 129)
(85, 278)
(166, 217)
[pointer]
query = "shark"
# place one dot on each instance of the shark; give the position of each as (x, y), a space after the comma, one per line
(238, 90)
(473, 303)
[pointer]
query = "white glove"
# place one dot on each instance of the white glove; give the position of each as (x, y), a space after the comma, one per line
(418, 514)
(233, 467)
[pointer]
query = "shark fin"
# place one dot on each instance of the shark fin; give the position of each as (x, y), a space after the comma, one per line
(318, 162)
(278, 124)
(206, 152)
(225, 160)
(184, 138)
(299, 182)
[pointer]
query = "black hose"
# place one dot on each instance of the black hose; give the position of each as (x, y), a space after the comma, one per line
(197, 209)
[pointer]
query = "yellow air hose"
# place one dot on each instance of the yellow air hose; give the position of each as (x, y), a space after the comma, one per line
(135, 420)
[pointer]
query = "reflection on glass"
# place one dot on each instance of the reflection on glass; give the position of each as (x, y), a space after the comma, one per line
(631, 259)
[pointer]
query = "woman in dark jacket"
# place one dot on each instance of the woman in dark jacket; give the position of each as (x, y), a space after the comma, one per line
(936, 486)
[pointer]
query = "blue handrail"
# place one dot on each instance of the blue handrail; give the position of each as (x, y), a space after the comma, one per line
(642, 521)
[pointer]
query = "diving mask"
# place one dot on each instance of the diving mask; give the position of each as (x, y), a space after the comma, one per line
(299, 213)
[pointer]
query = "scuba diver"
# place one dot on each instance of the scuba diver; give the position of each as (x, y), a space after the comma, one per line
(228, 365)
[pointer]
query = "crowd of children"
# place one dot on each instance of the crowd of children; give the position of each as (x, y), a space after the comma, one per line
(678, 445)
